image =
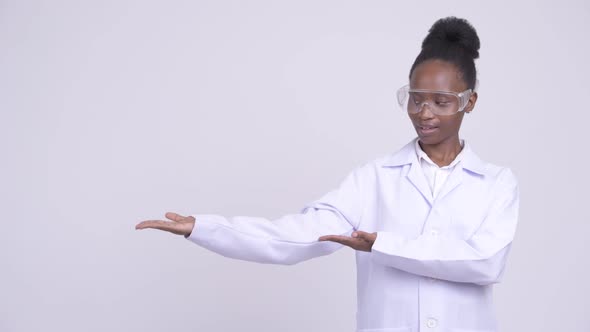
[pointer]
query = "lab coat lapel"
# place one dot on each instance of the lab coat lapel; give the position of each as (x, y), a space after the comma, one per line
(416, 177)
(407, 158)
(453, 181)
(470, 163)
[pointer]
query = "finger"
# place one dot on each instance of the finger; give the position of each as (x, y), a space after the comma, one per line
(330, 238)
(156, 224)
(178, 228)
(174, 216)
(345, 240)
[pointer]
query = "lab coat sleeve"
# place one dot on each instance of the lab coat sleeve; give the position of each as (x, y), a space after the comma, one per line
(289, 239)
(479, 259)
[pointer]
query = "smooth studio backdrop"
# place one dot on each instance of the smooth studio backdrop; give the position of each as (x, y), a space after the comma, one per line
(113, 112)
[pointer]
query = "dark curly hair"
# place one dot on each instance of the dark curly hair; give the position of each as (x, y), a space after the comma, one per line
(454, 40)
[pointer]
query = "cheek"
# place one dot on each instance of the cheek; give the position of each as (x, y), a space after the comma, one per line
(450, 124)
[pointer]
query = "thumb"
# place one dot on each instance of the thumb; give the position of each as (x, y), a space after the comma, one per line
(360, 235)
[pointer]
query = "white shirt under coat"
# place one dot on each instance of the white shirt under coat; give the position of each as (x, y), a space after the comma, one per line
(435, 175)
(435, 259)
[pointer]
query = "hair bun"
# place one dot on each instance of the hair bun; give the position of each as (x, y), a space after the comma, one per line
(451, 32)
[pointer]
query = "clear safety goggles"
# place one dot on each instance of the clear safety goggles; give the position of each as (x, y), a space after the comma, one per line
(439, 102)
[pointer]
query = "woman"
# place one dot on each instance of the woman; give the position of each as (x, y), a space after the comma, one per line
(431, 224)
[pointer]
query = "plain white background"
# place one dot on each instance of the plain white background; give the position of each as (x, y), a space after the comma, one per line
(113, 112)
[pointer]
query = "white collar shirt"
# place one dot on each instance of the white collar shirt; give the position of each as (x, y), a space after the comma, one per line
(435, 175)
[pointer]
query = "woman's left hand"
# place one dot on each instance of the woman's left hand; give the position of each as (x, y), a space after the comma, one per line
(359, 240)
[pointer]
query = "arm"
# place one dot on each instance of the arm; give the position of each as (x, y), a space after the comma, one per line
(286, 240)
(479, 259)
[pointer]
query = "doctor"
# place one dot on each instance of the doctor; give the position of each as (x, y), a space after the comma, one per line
(432, 224)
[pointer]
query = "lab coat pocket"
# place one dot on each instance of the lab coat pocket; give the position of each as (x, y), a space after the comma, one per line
(392, 329)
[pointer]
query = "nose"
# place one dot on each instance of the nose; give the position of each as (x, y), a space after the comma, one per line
(425, 112)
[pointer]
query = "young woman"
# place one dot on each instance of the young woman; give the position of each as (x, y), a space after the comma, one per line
(431, 224)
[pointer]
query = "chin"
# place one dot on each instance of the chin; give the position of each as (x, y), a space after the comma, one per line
(430, 139)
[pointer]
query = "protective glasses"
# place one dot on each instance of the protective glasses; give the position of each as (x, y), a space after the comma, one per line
(439, 102)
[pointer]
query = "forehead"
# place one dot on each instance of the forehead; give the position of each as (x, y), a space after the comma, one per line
(437, 75)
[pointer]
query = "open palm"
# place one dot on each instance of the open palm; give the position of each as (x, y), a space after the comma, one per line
(178, 224)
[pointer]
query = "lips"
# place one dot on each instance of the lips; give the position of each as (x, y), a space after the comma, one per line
(426, 129)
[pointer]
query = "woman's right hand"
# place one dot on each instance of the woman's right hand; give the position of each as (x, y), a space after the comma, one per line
(179, 225)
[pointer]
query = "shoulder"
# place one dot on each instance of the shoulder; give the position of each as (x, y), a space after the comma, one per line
(501, 174)
(490, 172)
(403, 156)
(371, 171)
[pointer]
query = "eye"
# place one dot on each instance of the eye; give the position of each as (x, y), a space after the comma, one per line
(443, 101)
(416, 99)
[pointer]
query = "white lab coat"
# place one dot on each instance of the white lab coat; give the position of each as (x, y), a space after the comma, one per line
(434, 261)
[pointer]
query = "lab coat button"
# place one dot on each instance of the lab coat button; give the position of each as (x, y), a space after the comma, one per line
(431, 323)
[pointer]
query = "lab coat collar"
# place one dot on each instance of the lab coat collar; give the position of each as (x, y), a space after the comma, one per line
(407, 155)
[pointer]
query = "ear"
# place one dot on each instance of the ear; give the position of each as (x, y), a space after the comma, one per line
(471, 103)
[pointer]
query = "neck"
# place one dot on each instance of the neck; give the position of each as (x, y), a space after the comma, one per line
(443, 153)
